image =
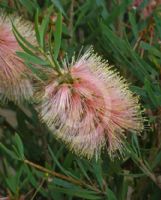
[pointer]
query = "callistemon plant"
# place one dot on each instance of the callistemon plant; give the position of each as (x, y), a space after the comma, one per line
(14, 84)
(88, 105)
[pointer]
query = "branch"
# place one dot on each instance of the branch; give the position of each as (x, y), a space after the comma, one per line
(67, 178)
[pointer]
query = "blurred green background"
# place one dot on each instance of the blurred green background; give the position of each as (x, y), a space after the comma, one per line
(33, 164)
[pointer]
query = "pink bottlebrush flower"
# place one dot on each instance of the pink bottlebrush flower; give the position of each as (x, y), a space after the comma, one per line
(89, 107)
(14, 85)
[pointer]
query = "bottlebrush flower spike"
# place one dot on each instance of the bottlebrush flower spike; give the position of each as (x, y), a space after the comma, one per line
(14, 85)
(89, 107)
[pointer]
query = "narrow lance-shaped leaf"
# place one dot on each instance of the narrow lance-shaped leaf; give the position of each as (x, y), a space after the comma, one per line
(37, 31)
(30, 5)
(31, 59)
(8, 152)
(59, 6)
(110, 195)
(21, 40)
(43, 27)
(58, 36)
(19, 145)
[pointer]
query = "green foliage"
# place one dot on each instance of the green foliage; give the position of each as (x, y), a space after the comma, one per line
(33, 162)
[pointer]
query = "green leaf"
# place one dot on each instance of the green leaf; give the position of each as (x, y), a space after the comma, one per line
(118, 10)
(21, 39)
(19, 146)
(40, 75)
(37, 31)
(31, 59)
(30, 5)
(138, 90)
(12, 184)
(132, 19)
(151, 93)
(123, 53)
(43, 27)
(151, 49)
(60, 182)
(23, 46)
(135, 144)
(83, 170)
(157, 160)
(68, 173)
(31, 178)
(102, 4)
(110, 194)
(58, 36)
(8, 152)
(97, 170)
(13, 181)
(77, 192)
(59, 6)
